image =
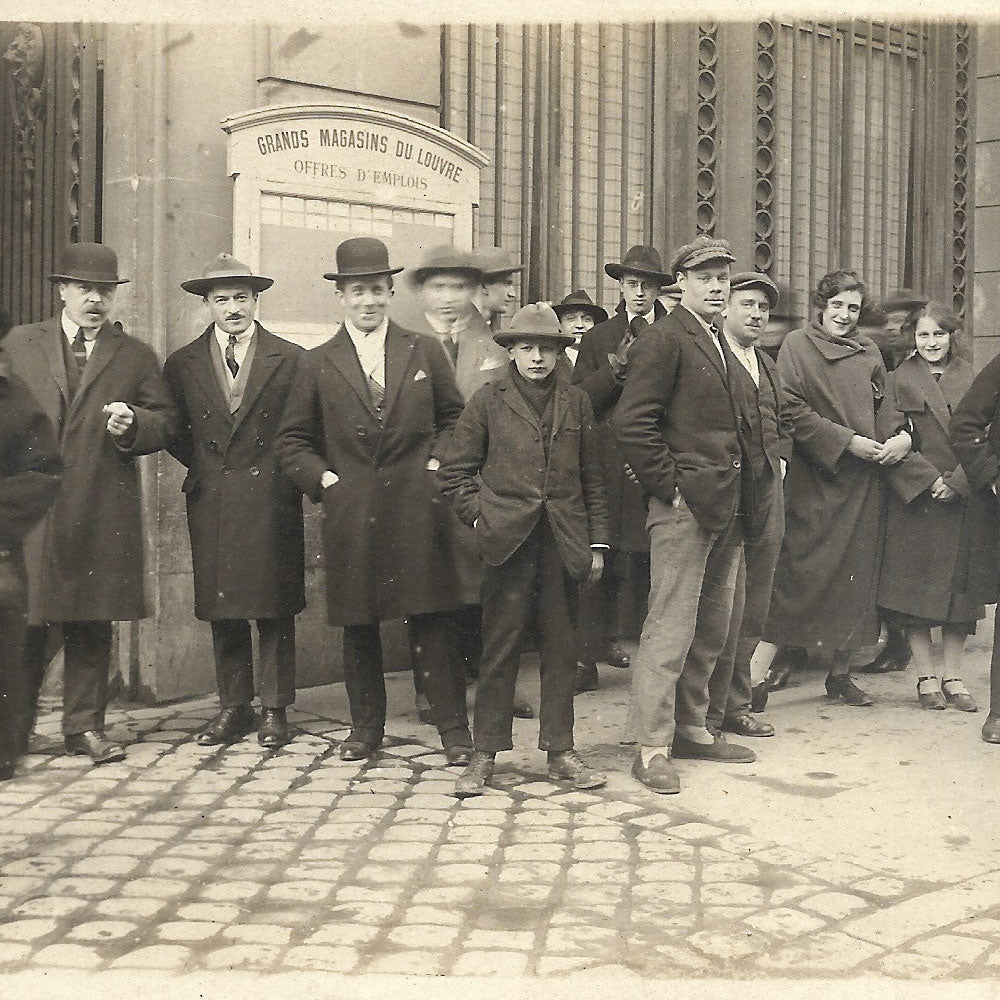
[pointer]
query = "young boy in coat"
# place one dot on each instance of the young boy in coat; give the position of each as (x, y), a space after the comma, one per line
(523, 471)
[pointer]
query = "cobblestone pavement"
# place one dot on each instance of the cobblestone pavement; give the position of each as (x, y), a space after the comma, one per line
(860, 844)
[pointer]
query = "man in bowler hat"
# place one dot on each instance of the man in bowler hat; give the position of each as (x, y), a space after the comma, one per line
(244, 515)
(103, 392)
(365, 425)
(577, 314)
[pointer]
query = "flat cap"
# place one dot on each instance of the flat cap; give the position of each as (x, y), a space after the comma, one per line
(700, 251)
(754, 279)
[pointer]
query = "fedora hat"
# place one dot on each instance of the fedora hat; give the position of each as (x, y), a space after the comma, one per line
(580, 301)
(754, 279)
(444, 258)
(361, 257)
(223, 269)
(496, 263)
(89, 262)
(904, 298)
(535, 321)
(641, 260)
(701, 251)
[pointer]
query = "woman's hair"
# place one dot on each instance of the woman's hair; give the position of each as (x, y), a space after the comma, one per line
(941, 315)
(833, 284)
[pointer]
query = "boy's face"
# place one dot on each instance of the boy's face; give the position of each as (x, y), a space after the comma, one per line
(576, 322)
(535, 359)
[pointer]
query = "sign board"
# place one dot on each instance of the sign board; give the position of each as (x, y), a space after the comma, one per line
(308, 176)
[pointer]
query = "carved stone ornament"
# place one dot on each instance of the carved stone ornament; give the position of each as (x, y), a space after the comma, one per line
(25, 58)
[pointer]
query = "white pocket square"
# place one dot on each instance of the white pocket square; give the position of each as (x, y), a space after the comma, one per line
(490, 364)
(420, 374)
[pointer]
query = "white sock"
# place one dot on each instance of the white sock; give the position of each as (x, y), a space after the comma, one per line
(695, 734)
(648, 753)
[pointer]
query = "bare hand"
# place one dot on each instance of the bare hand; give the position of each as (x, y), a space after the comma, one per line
(120, 418)
(895, 449)
(630, 475)
(864, 448)
(621, 353)
(596, 565)
(940, 490)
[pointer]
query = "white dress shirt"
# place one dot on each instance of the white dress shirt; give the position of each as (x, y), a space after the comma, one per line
(239, 348)
(370, 348)
(746, 356)
(712, 336)
(648, 317)
(70, 330)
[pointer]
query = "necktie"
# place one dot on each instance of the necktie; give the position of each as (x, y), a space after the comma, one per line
(377, 393)
(451, 345)
(937, 376)
(231, 363)
(80, 350)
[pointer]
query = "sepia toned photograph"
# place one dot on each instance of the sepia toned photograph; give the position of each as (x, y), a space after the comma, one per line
(499, 502)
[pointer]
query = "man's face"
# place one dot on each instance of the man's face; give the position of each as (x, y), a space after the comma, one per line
(446, 295)
(639, 293)
(747, 315)
(704, 290)
(88, 304)
(500, 295)
(365, 301)
(895, 321)
(576, 322)
(232, 306)
(535, 359)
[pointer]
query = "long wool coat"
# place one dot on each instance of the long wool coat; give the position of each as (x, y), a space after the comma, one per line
(85, 559)
(940, 558)
(825, 581)
(244, 514)
(386, 540)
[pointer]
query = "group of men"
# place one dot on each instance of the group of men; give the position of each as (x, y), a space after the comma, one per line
(684, 408)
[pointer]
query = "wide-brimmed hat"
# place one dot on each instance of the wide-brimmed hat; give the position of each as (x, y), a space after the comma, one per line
(641, 260)
(496, 263)
(222, 270)
(536, 321)
(361, 257)
(444, 259)
(904, 298)
(754, 279)
(93, 263)
(580, 301)
(701, 251)
(672, 289)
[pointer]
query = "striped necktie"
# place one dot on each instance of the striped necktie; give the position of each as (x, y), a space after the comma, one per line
(231, 362)
(377, 392)
(80, 350)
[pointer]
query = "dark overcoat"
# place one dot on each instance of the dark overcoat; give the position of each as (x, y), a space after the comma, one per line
(592, 372)
(386, 540)
(85, 559)
(497, 476)
(940, 559)
(244, 514)
(825, 582)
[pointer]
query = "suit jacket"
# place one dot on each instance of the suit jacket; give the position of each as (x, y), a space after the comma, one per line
(677, 423)
(85, 559)
(386, 544)
(496, 472)
(244, 515)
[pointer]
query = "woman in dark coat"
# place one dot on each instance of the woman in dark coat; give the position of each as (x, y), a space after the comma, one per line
(824, 585)
(939, 565)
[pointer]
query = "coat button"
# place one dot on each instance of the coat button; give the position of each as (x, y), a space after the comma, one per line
(206, 415)
(260, 441)
(213, 445)
(360, 430)
(225, 470)
(736, 463)
(254, 471)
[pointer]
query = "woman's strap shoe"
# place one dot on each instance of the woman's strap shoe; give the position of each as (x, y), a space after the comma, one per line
(957, 695)
(929, 694)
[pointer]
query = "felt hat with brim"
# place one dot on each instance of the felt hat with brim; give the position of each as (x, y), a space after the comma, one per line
(495, 263)
(447, 260)
(672, 289)
(361, 257)
(754, 279)
(701, 251)
(580, 301)
(640, 260)
(904, 298)
(91, 263)
(536, 321)
(225, 269)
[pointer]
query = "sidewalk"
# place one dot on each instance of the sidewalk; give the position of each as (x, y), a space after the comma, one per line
(860, 844)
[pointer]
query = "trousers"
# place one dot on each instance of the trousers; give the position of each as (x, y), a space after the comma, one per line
(234, 661)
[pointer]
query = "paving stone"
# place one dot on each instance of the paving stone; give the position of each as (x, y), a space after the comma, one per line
(988, 927)
(887, 888)
(530, 871)
(303, 891)
(157, 888)
(68, 956)
(423, 935)
(231, 891)
(50, 906)
(475, 834)
(12, 953)
(41, 865)
(468, 873)
(407, 963)
(432, 915)
(538, 788)
(910, 965)
(836, 905)
(727, 946)
(598, 872)
(789, 894)
(534, 852)
(130, 908)
(138, 847)
(537, 835)
(26, 930)
(101, 930)
(491, 963)
(553, 965)
(244, 956)
(601, 850)
(418, 832)
(371, 894)
(258, 872)
(665, 871)
(604, 830)
(784, 922)
(461, 853)
(577, 914)
(82, 886)
(423, 800)
(480, 817)
(731, 894)
(344, 934)
(676, 956)
(343, 831)
(951, 947)
(149, 831)
(20, 885)
(452, 896)
(258, 933)
(322, 871)
(828, 952)
(109, 864)
(202, 850)
(321, 958)
(188, 930)
(393, 852)
(582, 938)
(154, 957)
(499, 940)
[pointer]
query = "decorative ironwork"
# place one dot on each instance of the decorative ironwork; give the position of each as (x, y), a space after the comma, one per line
(765, 102)
(960, 192)
(25, 58)
(707, 150)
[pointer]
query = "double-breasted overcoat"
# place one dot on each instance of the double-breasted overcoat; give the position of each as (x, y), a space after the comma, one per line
(386, 540)
(244, 514)
(85, 558)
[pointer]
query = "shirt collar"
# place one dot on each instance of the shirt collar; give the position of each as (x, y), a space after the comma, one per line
(440, 327)
(361, 335)
(736, 346)
(241, 338)
(647, 316)
(70, 329)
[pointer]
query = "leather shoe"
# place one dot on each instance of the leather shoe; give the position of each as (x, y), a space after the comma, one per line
(474, 779)
(568, 765)
(719, 750)
(586, 678)
(895, 656)
(661, 776)
(458, 756)
(958, 697)
(745, 724)
(991, 729)
(355, 750)
(522, 710)
(758, 697)
(94, 745)
(273, 728)
(618, 657)
(841, 686)
(931, 697)
(230, 725)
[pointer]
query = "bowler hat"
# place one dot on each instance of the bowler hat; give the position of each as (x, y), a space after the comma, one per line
(361, 257)
(904, 298)
(496, 263)
(641, 260)
(94, 263)
(580, 301)
(222, 270)
(754, 279)
(446, 259)
(535, 321)
(701, 251)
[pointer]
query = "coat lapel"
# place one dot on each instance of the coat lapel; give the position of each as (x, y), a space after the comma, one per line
(266, 360)
(52, 348)
(517, 403)
(694, 327)
(916, 388)
(345, 360)
(201, 364)
(109, 340)
(398, 352)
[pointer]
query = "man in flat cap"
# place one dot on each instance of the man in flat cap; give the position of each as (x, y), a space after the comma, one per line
(103, 392)
(244, 515)
(754, 381)
(366, 422)
(681, 431)
(496, 295)
(612, 606)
